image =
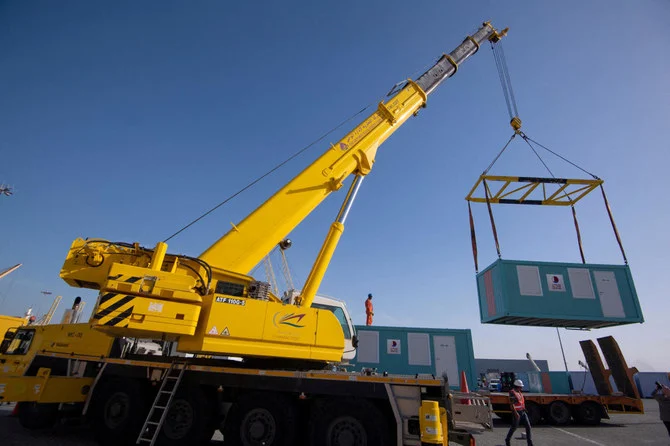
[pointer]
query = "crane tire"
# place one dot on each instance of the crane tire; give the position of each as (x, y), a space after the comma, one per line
(340, 421)
(261, 419)
(188, 420)
(118, 411)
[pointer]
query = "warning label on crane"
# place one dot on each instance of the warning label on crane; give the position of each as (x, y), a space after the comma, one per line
(213, 331)
(225, 332)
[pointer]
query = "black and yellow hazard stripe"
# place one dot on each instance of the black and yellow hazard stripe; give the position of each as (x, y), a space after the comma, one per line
(114, 310)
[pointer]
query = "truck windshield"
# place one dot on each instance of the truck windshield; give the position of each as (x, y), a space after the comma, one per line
(20, 344)
(339, 314)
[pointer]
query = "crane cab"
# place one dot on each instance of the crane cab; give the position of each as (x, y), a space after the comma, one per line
(339, 309)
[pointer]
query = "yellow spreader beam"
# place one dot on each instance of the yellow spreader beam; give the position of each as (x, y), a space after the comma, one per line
(530, 190)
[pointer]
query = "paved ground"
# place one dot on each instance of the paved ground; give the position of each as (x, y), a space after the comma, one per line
(621, 430)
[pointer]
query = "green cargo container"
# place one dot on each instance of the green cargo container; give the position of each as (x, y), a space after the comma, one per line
(554, 294)
(412, 351)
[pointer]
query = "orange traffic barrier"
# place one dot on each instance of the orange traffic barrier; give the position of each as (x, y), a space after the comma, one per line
(464, 387)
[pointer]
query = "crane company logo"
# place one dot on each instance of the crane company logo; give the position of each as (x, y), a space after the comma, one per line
(291, 319)
(343, 146)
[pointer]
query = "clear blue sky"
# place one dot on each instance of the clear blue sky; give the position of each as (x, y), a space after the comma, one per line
(126, 120)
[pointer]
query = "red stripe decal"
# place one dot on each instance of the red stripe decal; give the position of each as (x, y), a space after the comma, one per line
(490, 298)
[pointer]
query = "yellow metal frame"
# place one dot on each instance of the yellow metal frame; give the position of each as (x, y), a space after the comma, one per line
(44, 388)
(531, 190)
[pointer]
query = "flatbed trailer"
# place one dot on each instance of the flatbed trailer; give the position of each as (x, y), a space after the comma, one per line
(187, 399)
(559, 409)
(585, 409)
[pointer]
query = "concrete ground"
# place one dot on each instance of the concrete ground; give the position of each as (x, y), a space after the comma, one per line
(619, 430)
(623, 430)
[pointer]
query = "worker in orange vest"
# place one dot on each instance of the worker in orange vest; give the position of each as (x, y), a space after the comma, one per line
(519, 413)
(369, 311)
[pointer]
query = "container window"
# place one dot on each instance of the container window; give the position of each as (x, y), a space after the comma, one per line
(368, 347)
(418, 348)
(529, 280)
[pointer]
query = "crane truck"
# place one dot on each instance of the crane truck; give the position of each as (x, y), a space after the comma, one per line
(210, 307)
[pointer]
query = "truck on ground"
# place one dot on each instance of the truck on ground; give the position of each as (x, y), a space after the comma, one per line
(560, 409)
(287, 388)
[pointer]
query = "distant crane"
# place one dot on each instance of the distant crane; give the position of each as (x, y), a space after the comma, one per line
(269, 269)
(11, 269)
(44, 320)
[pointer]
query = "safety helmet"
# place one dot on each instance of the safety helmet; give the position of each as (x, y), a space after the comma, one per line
(369, 295)
(518, 383)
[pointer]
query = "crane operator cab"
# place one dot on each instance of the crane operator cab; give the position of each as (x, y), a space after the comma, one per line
(339, 309)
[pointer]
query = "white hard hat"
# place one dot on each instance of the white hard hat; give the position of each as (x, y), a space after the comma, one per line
(518, 383)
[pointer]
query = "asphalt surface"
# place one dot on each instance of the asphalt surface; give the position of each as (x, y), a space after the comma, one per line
(623, 430)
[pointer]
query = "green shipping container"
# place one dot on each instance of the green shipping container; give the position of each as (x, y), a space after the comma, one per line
(412, 351)
(551, 294)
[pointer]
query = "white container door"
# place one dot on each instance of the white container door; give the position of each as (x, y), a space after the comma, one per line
(445, 358)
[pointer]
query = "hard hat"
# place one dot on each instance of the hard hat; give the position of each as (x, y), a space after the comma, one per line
(369, 295)
(518, 383)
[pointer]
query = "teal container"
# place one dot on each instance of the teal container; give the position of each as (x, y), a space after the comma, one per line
(412, 351)
(560, 383)
(552, 294)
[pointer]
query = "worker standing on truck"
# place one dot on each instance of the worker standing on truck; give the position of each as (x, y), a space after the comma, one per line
(369, 311)
(662, 395)
(519, 413)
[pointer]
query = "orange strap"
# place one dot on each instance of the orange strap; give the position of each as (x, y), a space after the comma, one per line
(579, 236)
(493, 223)
(473, 237)
(616, 233)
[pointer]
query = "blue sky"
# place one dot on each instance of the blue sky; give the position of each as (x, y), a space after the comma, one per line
(127, 120)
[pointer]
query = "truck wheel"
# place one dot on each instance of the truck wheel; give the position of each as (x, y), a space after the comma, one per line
(344, 422)
(119, 410)
(558, 413)
(260, 419)
(589, 413)
(188, 420)
(37, 415)
(534, 412)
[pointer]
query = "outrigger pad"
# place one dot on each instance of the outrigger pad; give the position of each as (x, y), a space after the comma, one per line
(551, 294)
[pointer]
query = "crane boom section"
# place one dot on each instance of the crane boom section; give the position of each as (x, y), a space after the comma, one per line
(245, 245)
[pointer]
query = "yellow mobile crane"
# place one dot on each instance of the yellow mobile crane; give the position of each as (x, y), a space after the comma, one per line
(212, 308)
(208, 303)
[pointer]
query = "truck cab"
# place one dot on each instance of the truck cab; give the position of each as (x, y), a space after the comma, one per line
(339, 309)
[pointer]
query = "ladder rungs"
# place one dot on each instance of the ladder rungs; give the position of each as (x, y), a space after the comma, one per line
(172, 376)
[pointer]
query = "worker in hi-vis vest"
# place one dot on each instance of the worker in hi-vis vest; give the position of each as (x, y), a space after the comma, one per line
(519, 413)
(369, 312)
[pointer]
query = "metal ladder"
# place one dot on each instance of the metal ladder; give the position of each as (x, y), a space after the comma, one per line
(89, 397)
(159, 409)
